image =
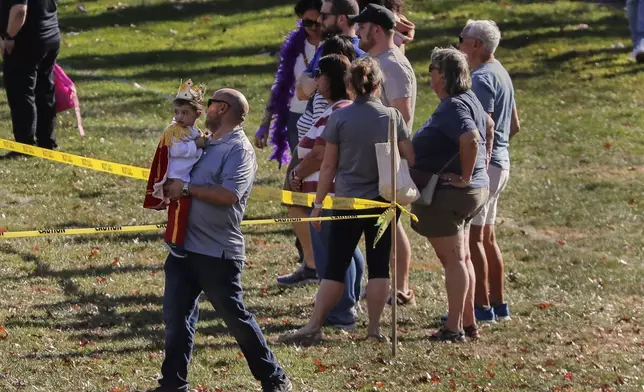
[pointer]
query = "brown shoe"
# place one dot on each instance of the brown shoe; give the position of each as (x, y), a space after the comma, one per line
(404, 299)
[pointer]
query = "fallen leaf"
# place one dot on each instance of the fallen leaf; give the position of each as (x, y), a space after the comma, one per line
(263, 292)
(435, 379)
(95, 356)
(544, 305)
(286, 322)
(568, 376)
(116, 389)
(3, 229)
(116, 262)
(100, 280)
(94, 252)
(75, 308)
(3, 333)
(85, 343)
(380, 384)
(561, 242)
(205, 18)
(607, 146)
(318, 364)
(36, 249)
(550, 363)
(201, 388)
(632, 202)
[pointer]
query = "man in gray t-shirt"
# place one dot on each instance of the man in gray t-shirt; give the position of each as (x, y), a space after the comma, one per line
(220, 185)
(493, 87)
(376, 31)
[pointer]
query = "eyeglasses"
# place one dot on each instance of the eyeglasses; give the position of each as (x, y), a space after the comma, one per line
(212, 100)
(309, 23)
(432, 67)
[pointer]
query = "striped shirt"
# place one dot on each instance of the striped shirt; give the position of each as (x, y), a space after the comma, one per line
(314, 138)
(311, 114)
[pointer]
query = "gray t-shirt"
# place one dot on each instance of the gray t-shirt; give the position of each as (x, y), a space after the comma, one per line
(400, 80)
(356, 129)
(215, 230)
(492, 85)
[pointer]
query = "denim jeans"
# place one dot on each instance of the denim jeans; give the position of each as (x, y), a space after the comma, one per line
(342, 312)
(219, 278)
(635, 12)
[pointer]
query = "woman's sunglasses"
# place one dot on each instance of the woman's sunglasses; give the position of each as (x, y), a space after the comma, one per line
(317, 73)
(310, 23)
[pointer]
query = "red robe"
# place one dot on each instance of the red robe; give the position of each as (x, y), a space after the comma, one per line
(158, 173)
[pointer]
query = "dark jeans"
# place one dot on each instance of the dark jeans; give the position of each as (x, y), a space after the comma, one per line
(219, 278)
(29, 81)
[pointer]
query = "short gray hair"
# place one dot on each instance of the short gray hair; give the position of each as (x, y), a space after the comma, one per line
(452, 64)
(485, 31)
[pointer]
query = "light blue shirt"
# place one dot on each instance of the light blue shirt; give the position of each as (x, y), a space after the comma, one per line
(493, 87)
(215, 230)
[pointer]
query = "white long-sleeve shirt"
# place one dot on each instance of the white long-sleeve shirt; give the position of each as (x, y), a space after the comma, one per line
(183, 156)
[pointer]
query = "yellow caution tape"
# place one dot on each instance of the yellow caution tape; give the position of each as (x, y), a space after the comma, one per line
(286, 197)
(76, 160)
(137, 229)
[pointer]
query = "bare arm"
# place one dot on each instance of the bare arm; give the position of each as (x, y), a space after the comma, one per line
(515, 124)
(489, 137)
(311, 163)
(404, 107)
(468, 148)
(305, 87)
(406, 150)
(17, 17)
(213, 194)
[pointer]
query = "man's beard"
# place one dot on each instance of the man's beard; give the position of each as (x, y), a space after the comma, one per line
(330, 31)
(213, 123)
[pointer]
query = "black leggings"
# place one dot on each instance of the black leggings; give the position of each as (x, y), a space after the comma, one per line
(344, 238)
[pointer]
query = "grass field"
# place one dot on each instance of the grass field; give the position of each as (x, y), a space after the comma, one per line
(84, 313)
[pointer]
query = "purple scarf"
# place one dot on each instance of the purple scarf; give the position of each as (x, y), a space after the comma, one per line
(281, 94)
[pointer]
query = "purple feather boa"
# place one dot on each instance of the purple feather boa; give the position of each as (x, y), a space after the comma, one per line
(281, 94)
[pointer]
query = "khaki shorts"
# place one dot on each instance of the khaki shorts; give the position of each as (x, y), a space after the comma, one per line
(450, 213)
(498, 180)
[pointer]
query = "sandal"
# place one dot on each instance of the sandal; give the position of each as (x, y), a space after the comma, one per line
(472, 332)
(300, 338)
(445, 335)
(404, 299)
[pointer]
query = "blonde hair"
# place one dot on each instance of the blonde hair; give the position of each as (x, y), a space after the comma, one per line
(365, 76)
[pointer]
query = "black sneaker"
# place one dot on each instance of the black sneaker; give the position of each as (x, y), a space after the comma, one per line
(283, 384)
(302, 275)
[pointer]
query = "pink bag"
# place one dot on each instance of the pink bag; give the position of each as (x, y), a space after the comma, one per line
(66, 97)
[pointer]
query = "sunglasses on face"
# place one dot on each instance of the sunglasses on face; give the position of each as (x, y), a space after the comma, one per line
(310, 23)
(212, 100)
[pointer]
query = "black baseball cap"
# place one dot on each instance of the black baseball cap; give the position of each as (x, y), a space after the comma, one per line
(376, 14)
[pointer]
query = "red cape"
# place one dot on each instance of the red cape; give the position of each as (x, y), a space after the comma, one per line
(158, 173)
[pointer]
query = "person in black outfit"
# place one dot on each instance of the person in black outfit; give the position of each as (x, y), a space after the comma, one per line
(30, 45)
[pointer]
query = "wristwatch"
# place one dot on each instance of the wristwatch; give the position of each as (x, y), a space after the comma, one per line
(185, 190)
(318, 206)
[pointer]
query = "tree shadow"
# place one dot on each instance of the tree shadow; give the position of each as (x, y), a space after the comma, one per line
(166, 11)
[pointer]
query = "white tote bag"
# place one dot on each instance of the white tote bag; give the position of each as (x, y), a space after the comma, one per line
(406, 191)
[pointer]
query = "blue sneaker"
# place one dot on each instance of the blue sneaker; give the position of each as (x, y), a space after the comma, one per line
(176, 250)
(502, 312)
(484, 314)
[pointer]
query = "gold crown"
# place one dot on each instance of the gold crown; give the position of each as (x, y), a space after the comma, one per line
(190, 92)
